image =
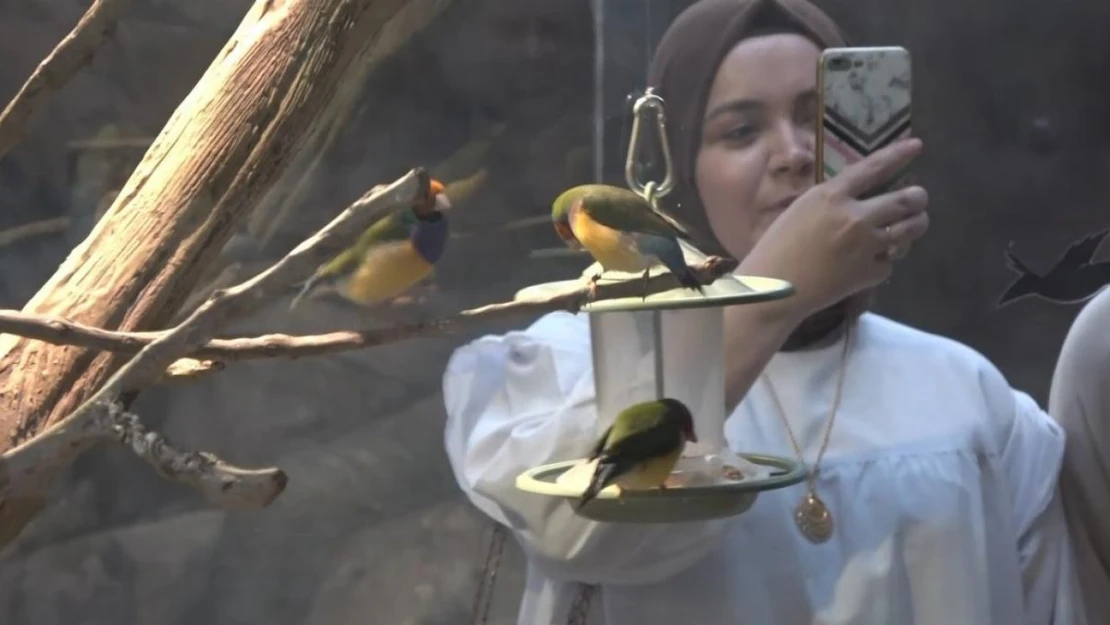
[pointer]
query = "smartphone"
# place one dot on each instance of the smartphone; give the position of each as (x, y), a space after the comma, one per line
(864, 99)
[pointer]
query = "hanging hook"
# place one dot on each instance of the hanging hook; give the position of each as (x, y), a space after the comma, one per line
(649, 102)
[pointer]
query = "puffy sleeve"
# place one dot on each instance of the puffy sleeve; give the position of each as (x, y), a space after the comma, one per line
(1080, 402)
(527, 398)
(1031, 457)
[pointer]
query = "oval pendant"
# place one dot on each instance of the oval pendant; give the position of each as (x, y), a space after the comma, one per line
(813, 519)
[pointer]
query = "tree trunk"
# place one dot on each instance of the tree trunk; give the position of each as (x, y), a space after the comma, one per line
(265, 98)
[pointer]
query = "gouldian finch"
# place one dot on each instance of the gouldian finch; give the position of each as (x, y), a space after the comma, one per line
(622, 231)
(641, 448)
(392, 255)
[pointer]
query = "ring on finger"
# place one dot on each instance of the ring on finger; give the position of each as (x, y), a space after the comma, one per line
(892, 249)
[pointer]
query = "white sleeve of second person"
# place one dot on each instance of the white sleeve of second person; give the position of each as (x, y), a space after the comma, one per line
(1032, 457)
(525, 399)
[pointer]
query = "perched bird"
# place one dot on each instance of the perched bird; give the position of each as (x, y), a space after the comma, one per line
(1073, 279)
(391, 256)
(622, 231)
(641, 448)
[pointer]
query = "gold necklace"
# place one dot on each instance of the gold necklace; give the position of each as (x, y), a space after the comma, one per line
(811, 515)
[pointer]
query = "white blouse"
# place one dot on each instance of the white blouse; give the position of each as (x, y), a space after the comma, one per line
(941, 480)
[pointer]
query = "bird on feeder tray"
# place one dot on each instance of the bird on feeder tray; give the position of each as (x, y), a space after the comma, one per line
(641, 448)
(396, 252)
(622, 231)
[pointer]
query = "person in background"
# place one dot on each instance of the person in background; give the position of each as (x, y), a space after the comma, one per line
(1080, 401)
(935, 480)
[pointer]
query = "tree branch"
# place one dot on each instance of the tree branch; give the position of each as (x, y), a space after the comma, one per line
(22, 467)
(33, 229)
(226, 485)
(73, 53)
(61, 332)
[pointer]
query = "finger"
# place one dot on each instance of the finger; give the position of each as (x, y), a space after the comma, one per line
(889, 208)
(880, 271)
(899, 237)
(875, 169)
(905, 232)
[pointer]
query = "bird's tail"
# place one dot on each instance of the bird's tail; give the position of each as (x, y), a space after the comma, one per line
(672, 258)
(604, 475)
(1015, 265)
(309, 285)
(1023, 286)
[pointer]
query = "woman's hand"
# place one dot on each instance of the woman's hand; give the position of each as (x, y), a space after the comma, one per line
(831, 244)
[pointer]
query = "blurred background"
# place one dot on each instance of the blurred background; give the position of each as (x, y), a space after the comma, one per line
(512, 100)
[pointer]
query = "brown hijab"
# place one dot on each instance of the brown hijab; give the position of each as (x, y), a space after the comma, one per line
(682, 73)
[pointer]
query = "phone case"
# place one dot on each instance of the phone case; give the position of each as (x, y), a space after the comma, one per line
(864, 97)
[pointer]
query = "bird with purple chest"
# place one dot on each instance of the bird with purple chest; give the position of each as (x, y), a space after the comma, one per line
(389, 258)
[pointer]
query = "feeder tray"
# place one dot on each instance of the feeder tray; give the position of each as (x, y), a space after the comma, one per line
(676, 504)
(670, 344)
(727, 290)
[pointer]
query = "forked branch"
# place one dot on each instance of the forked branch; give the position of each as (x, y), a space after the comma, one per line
(61, 332)
(22, 467)
(220, 483)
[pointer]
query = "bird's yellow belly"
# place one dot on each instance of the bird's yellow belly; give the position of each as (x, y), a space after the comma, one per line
(385, 274)
(612, 248)
(651, 473)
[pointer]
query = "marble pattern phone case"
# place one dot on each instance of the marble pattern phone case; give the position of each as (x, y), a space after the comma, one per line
(865, 96)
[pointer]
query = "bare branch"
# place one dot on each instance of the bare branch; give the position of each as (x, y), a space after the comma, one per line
(33, 229)
(23, 467)
(73, 53)
(62, 332)
(220, 483)
(225, 277)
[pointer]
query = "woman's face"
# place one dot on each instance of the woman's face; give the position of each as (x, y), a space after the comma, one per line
(757, 140)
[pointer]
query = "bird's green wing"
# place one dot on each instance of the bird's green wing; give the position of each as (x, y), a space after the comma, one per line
(641, 432)
(621, 209)
(599, 446)
(392, 227)
(644, 445)
(637, 418)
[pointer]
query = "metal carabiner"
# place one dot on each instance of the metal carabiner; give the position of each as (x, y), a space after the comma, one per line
(651, 189)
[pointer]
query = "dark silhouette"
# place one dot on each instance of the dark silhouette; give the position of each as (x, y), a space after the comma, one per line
(1073, 279)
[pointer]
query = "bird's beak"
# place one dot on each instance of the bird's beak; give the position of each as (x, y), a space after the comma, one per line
(693, 438)
(442, 204)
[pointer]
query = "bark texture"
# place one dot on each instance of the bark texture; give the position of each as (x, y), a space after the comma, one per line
(264, 99)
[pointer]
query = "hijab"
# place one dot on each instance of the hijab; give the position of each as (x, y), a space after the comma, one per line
(682, 73)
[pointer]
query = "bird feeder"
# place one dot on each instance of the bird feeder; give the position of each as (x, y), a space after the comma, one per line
(668, 344)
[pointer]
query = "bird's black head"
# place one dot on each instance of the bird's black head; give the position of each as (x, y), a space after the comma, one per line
(681, 414)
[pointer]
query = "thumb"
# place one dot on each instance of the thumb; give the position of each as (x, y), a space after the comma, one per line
(875, 169)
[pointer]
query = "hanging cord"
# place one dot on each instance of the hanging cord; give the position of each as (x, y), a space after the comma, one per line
(650, 191)
(483, 598)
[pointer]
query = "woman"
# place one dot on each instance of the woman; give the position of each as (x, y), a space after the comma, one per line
(938, 477)
(1080, 402)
